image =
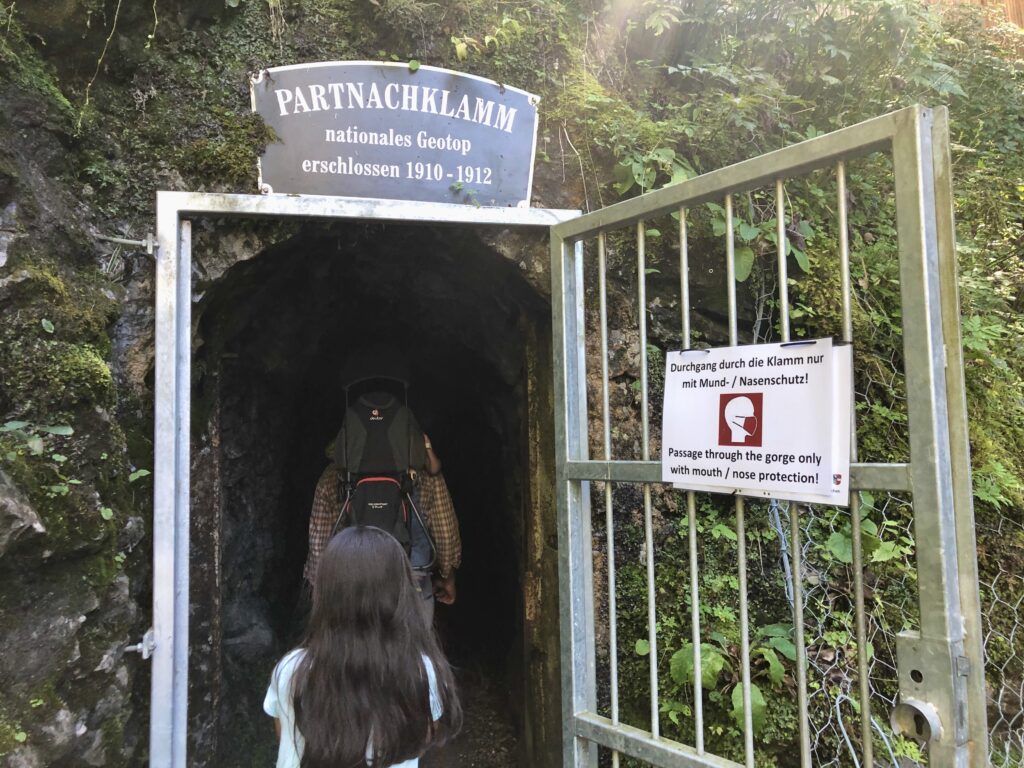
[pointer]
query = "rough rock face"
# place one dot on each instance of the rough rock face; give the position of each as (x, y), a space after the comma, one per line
(68, 517)
(19, 523)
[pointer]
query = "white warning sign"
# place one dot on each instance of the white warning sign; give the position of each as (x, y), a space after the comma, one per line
(760, 420)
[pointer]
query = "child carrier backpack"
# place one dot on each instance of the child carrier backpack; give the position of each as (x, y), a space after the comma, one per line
(378, 444)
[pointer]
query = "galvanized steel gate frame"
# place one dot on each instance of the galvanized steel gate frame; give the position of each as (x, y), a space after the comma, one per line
(169, 637)
(941, 668)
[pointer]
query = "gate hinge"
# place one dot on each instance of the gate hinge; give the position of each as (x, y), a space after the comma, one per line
(146, 646)
(149, 244)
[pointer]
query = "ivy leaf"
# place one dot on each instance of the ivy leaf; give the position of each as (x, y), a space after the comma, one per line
(887, 550)
(712, 662)
(775, 669)
(801, 259)
(642, 647)
(723, 531)
(674, 709)
(758, 707)
(744, 261)
(413, 65)
(21, 737)
(840, 546)
(653, 233)
(748, 231)
(11, 426)
(718, 227)
(47, 325)
(680, 666)
(784, 646)
(711, 665)
(775, 630)
(623, 178)
(137, 474)
(62, 430)
(679, 173)
(106, 513)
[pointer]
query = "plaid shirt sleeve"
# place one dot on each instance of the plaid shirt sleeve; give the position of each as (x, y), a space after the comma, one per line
(441, 520)
(326, 508)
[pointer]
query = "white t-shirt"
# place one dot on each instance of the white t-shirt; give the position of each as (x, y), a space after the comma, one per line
(278, 703)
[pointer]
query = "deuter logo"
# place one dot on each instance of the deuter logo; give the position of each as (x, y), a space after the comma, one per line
(375, 415)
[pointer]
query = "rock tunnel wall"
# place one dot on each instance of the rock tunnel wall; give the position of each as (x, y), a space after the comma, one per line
(273, 335)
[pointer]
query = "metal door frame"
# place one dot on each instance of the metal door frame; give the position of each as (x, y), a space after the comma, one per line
(172, 393)
(948, 647)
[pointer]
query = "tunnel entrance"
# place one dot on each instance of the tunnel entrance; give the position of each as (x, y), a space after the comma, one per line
(270, 344)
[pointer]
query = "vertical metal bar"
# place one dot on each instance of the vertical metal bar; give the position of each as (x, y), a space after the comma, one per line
(182, 488)
(730, 270)
(844, 263)
(684, 278)
(748, 716)
(641, 260)
(934, 653)
(959, 442)
(798, 632)
(161, 719)
(796, 549)
(691, 506)
(609, 521)
(741, 528)
(575, 597)
(781, 243)
(867, 746)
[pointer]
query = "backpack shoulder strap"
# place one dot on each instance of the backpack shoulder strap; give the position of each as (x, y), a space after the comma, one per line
(351, 442)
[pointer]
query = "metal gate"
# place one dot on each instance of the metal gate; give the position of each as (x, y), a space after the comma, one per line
(168, 640)
(940, 671)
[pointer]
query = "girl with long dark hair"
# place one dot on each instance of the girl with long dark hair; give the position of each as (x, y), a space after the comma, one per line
(369, 685)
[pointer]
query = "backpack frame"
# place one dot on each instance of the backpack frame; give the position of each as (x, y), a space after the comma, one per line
(367, 498)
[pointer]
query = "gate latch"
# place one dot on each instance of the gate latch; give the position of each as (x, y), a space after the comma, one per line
(933, 698)
(146, 646)
(916, 720)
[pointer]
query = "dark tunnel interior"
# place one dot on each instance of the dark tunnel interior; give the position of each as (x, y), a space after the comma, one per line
(275, 334)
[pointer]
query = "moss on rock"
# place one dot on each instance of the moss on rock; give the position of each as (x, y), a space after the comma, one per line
(25, 70)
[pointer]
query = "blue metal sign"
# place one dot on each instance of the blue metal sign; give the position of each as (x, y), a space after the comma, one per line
(382, 130)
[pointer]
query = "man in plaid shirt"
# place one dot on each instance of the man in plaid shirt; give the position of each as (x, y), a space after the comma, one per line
(431, 497)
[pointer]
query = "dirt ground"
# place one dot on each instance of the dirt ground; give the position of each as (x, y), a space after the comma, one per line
(488, 737)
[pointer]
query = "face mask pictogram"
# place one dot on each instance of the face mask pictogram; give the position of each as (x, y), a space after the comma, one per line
(740, 419)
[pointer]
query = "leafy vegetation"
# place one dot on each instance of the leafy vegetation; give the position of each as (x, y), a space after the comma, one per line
(634, 97)
(688, 87)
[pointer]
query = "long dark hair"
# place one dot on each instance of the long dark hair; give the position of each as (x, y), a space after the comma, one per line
(362, 681)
